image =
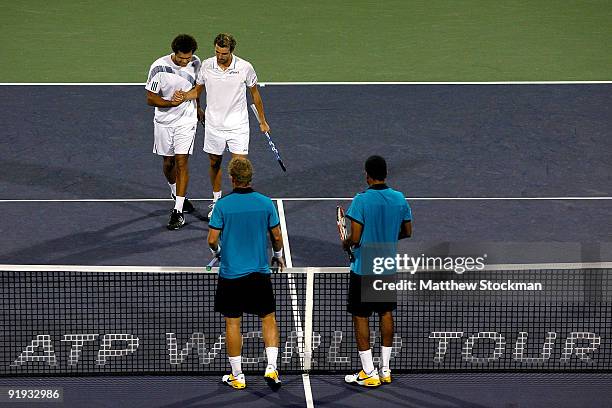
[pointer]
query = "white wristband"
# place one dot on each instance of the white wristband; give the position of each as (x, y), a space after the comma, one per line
(216, 252)
(278, 254)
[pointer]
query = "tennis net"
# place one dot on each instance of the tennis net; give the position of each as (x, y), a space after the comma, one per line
(108, 320)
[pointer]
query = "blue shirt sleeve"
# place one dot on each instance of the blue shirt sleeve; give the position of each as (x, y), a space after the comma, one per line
(355, 211)
(273, 219)
(407, 213)
(216, 219)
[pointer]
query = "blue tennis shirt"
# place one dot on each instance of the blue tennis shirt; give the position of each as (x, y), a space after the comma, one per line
(381, 211)
(244, 218)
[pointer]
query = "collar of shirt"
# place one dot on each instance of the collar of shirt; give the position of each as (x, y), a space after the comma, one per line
(232, 65)
(243, 190)
(382, 186)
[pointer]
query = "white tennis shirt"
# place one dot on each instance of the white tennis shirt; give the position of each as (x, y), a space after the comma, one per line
(226, 102)
(165, 77)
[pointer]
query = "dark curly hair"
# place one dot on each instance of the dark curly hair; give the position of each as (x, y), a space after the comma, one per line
(184, 43)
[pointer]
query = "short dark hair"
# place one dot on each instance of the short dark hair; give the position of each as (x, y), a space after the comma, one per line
(376, 168)
(241, 170)
(225, 40)
(184, 43)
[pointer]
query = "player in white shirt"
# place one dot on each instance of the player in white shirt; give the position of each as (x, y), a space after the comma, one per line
(226, 78)
(175, 122)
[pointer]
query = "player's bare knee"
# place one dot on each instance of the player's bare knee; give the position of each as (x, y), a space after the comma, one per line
(181, 162)
(215, 161)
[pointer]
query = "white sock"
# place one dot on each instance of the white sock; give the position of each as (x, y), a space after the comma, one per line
(385, 353)
(366, 361)
(172, 188)
(272, 353)
(216, 196)
(179, 203)
(236, 363)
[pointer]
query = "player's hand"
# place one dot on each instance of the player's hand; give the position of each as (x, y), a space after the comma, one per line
(347, 244)
(264, 127)
(201, 115)
(178, 98)
(278, 263)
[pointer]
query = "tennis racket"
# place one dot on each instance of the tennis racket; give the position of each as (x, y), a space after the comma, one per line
(211, 263)
(270, 142)
(342, 231)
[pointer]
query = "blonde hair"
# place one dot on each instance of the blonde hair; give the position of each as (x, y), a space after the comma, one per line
(241, 170)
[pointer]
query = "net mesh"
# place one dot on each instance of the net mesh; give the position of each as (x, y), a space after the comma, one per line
(75, 322)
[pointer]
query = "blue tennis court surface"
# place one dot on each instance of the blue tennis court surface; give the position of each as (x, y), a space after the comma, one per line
(521, 173)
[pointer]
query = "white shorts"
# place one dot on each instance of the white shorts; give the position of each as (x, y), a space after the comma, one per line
(174, 139)
(236, 139)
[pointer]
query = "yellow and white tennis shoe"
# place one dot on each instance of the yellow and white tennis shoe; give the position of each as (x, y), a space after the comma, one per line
(363, 379)
(271, 376)
(238, 382)
(385, 375)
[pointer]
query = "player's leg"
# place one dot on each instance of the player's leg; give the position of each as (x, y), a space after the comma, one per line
(182, 179)
(233, 344)
(361, 312)
(214, 145)
(229, 302)
(215, 173)
(264, 305)
(271, 341)
(386, 333)
(184, 139)
(164, 146)
(169, 172)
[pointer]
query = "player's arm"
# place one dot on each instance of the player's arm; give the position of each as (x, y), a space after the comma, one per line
(354, 237)
(276, 236)
(263, 125)
(194, 93)
(405, 230)
(213, 239)
(154, 99)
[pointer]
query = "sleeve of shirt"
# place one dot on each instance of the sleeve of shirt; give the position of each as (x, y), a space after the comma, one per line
(273, 219)
(355, 211)
(154, 82)
(216, 219)
(251, 76)
(407, 213)
(200, 77)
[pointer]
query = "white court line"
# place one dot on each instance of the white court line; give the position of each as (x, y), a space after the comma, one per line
(324, 83)
(119, 200)
(297, 319)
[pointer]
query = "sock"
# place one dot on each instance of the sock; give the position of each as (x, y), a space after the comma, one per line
(366, 361)
(179, 203)
(172, 188)
(236, 363)
(385, 356)
(216, 196)
(272, 353)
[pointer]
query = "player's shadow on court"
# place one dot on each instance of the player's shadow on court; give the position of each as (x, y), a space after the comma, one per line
(63, 180)
(124, 239)
(397, 394)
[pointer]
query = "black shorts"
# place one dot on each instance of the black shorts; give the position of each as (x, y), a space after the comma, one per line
(250, 294)
(362, 285)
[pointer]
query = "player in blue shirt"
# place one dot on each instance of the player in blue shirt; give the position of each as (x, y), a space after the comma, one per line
(238, 234)
(379, 217)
